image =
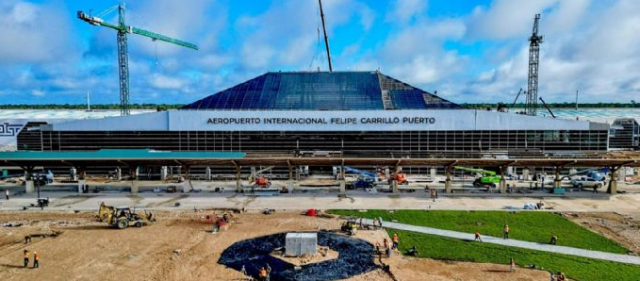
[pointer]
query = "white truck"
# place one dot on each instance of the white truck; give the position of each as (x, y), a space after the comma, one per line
(587, 182)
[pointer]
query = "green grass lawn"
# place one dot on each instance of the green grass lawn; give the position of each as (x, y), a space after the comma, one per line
(576, 268)
(527, 225)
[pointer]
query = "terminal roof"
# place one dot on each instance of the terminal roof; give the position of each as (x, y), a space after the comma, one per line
(322, 91)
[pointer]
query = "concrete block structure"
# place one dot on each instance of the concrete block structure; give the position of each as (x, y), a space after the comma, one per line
(298, 244)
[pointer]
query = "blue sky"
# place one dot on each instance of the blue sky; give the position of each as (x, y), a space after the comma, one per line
(469, 51)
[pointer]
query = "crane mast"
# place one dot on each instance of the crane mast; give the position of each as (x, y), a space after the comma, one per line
(123, 54)
(534, 61)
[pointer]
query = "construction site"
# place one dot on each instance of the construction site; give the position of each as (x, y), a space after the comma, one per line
(320, 175)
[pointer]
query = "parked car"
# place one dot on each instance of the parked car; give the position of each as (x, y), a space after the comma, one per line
(587, 183)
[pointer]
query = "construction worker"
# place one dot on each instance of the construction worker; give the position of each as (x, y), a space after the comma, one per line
(262, 274)
(512, 265)
(25, 256)
(554, 240)
(505, 231)
(378, 248)
(36, 259)
(268, 272)
(478, 238)
(395, 241)
(387, 247)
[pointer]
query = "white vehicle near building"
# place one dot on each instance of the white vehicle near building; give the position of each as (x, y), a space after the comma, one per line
(586, 182)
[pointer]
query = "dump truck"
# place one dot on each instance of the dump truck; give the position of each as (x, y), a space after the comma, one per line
(123, 217)
(489, 179)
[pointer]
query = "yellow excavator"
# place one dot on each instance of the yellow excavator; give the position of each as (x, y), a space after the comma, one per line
(123, 217)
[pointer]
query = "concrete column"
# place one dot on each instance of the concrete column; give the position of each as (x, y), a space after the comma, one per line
(135, 186)
(238, 180)
(118, 173)
(290, 186)
(81, 184)
(207, 173)
(29, 187)
(447, 181)
(556, 178)
(525, 174)
(394, 187)
(73, 174)
(503, 181)
(164, 172)
(613, 181)
(343, 188)
(433, 174)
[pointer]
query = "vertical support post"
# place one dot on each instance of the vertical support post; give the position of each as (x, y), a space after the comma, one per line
(394, 183)
(82, 176)
(525, 174)
(447, 181)
(134, 179)
(119, 173)
(28, 184)
(207, 173)
(503, 181)
(290, 187)
(343, 184)
(556, 178)
(238, 179)
(613, 181)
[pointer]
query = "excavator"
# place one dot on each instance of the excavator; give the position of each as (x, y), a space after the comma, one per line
(123, 217)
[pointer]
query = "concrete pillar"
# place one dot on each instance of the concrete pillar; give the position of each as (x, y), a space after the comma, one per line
(238, 180)
(343, 188)
(386, 172)
(73, 174)
(118, 173)
(556, 178)
(164, 172)
(135, 186)
(394, 187)
(207, 173)
(613, 181)
(290, 186)
(447, 181)
(81, 184)
(29, 187)
(433, 174)
(503, 181)
(525, 174)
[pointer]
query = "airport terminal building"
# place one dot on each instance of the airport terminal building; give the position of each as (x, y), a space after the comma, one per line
(348, 114)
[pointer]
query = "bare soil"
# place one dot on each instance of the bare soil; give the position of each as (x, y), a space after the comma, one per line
(624, 229)
(179, 246)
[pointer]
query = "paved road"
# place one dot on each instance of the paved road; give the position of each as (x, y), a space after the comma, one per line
(515, 243)
(320, 200)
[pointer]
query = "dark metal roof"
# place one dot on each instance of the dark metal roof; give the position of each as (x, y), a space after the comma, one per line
(322, 91)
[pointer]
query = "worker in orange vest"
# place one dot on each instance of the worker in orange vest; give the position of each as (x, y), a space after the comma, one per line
(263, 274)
(395, 241)
(36, 259)
(25, 256)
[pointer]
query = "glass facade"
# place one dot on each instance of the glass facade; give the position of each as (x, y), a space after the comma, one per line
(411, 143)
(320, 91)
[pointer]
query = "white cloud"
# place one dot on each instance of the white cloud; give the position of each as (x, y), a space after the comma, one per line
(406, 10)
(37, 93)
(32, 33)
(505, 18)
(165, 82)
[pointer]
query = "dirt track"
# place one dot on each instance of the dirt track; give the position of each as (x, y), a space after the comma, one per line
(624, 229)
(87, 250)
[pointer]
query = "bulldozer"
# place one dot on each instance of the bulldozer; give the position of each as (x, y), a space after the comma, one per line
(123, 217)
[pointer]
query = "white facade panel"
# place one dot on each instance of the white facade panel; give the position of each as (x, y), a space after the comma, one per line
(363, 120)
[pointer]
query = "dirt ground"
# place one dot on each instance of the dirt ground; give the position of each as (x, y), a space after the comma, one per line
(88, 250)
(624, 229)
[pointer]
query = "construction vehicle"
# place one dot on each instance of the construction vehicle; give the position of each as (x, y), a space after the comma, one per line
(262, 182)
(489, 179)
(399, 178)
(363, 179)
(349, 227)
(123, 217)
